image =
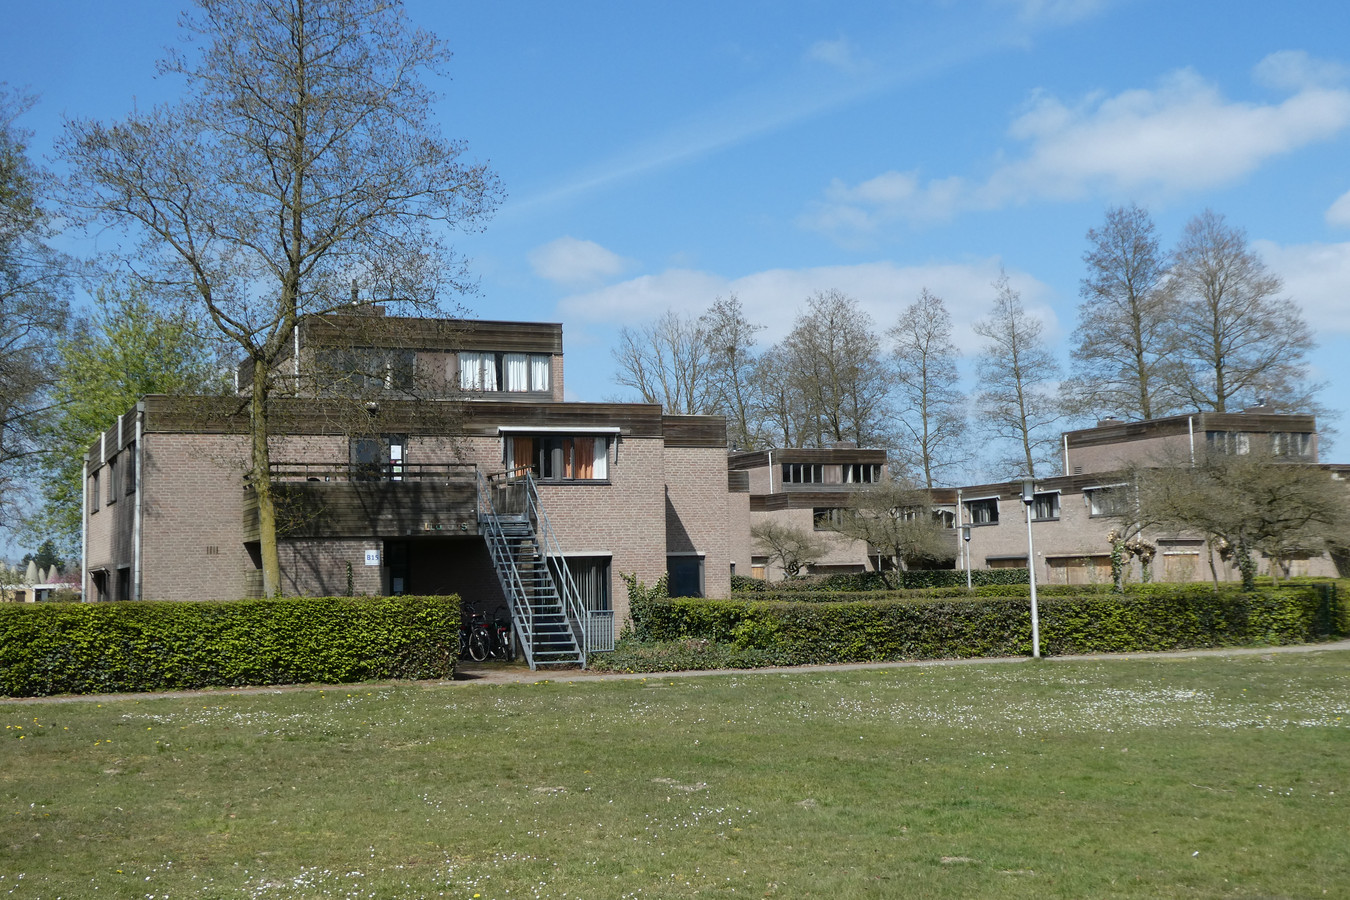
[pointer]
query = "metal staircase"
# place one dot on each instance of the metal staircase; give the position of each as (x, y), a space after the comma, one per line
(547, 614)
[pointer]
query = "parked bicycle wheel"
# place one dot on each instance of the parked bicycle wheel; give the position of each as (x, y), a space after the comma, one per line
(478, 644)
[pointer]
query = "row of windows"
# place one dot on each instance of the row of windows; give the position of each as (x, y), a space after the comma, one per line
(819, 473)
(116, 479)
(549, 457)
(830, 518)
(505, 371)
(1289, 444)
(1103, 501)
(370, 368)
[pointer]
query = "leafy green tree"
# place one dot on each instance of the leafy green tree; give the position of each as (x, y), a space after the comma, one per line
(125, 348)
(32, 302)
(46, 556)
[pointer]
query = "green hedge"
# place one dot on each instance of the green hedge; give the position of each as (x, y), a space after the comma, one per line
(857, 582)
(1162, 617)
(100, 647)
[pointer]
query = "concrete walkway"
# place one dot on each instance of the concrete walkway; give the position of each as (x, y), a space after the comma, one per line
(472, 673)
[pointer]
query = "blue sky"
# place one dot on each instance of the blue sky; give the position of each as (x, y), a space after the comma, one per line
(660, 155)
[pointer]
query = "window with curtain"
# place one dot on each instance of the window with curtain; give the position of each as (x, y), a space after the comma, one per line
(516, 371)
(559, 457)
(590, 574)
(511, 372)
(541, 367)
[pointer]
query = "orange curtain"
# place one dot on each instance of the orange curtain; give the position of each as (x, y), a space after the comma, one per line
(583, 453)
(522, 453)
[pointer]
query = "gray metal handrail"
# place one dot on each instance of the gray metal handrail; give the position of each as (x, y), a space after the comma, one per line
(522, 620)
(571, 597)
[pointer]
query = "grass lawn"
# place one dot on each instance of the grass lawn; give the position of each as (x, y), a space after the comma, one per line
(1208, 777)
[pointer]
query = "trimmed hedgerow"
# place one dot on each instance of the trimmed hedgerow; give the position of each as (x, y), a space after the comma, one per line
(715, 633)
(857, 582)
(103, 647)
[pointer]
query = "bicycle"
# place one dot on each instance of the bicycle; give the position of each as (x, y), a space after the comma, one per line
(475, 635)
(502, 647)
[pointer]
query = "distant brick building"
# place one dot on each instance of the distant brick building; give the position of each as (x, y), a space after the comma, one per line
(1072, 513)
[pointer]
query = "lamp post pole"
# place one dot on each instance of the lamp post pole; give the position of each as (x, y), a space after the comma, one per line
(1028, 500)
(965, 536)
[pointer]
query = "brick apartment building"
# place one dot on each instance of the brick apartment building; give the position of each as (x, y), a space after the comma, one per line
(807, 489)
(1072, 513)
(408, 492)
(400, 451)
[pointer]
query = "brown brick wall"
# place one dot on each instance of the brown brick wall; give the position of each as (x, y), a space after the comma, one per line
(697, 514)
(192, 517)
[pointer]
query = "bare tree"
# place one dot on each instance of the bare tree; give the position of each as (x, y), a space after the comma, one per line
(794, 548)
(1247, 503)
(783, 416)
(898, 519)
(930, 407)
(730, 338)
(1240, 341)
(833, 354)
(670, 363)
(32, 301)
(1016, 377)
(300, 163)
(1125, 345)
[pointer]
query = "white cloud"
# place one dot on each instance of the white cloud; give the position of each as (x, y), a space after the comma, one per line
(1178, 137)
(1292, 70)
(571, 261)
(837, 53)
(1317, 276)
(1339, 212)
(773, 297)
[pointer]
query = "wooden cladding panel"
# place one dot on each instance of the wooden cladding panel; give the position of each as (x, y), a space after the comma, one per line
(695, 431)
(229, 415)
(1253, 423)
(754, 459)
(375, 509)
(432, 334)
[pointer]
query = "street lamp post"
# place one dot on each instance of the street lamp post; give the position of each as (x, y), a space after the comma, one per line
(1028, 499)
(965, 536)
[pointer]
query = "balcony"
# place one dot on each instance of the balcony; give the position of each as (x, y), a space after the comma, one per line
(327, 500)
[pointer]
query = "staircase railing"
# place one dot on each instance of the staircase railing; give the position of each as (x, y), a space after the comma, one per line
(567, 586)
(515, 495)
(522, 612)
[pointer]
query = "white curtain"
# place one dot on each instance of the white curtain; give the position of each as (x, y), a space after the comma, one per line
(600, 469)
(471, 371)
(515, 368)
(539, 369)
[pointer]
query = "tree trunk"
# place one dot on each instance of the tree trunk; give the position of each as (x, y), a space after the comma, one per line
(261, 476)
